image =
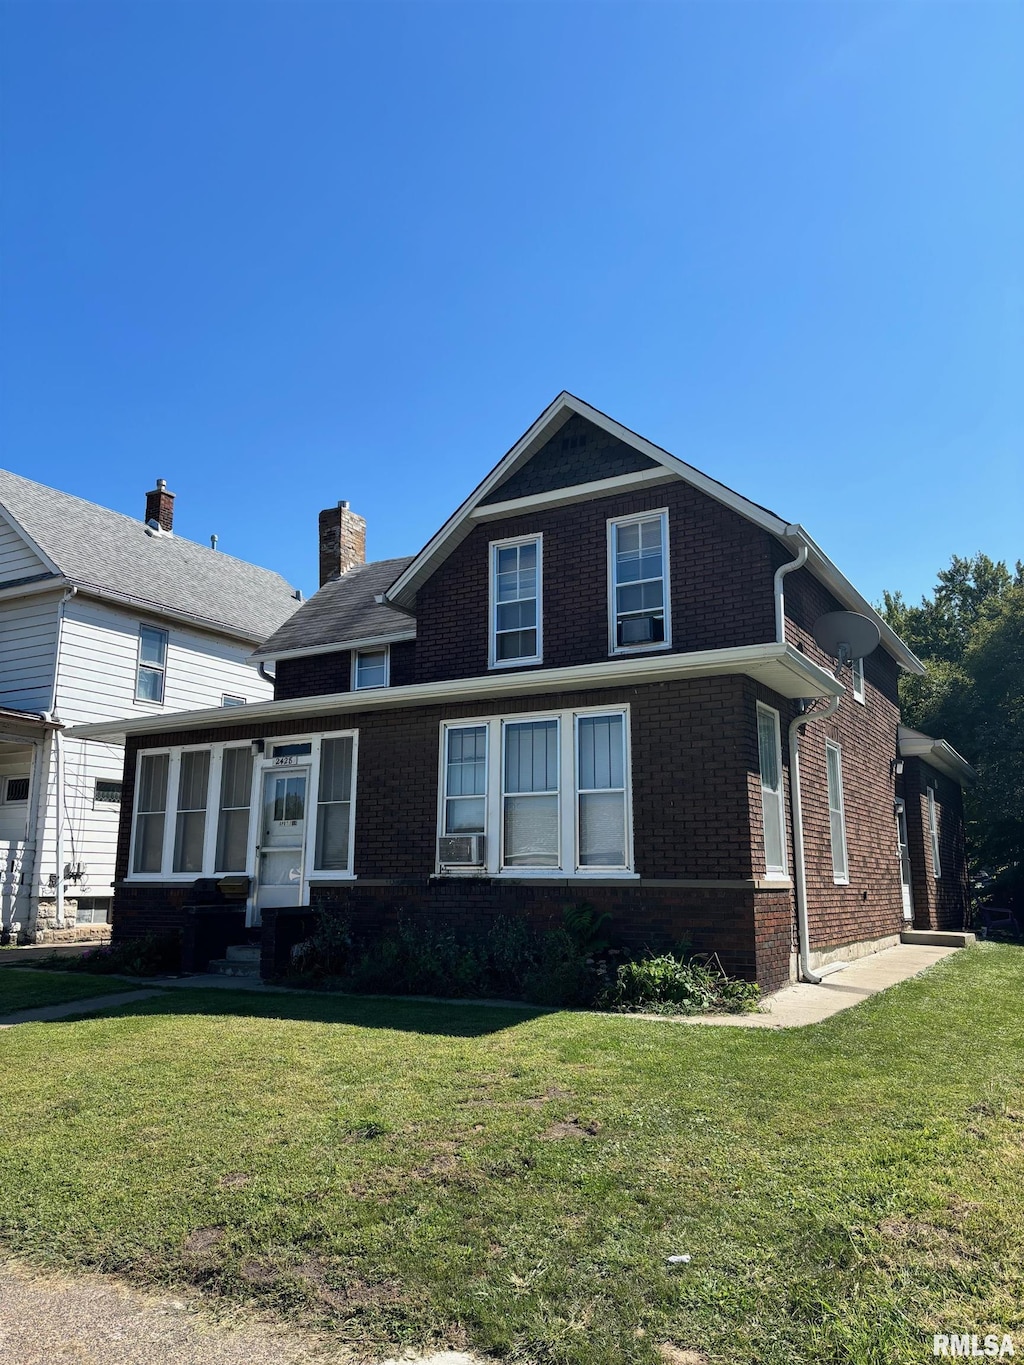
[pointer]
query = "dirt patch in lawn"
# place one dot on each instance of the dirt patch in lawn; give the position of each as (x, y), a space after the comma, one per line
(572, 1127)
(234, 1180)
(202, 1241)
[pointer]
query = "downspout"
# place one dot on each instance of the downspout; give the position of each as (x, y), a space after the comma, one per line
(799, 866)
(261, 669)
(58, 749)
(780, 601)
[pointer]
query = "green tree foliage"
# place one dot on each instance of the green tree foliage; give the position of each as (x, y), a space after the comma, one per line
(970, 634)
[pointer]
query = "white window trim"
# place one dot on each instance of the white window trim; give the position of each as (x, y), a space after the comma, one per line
(262, 763)
(857, 681)
(231, 700)
(613, 646)
(774, 873)
(492, 613)
(933, 833)
(442, 785)
(568, 799)
(836, 879)
(148, 701)
(16, 777)
(596, 870)
(371, 687)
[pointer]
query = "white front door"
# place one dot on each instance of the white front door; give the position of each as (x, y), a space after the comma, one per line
(904, 855)
(281, 845)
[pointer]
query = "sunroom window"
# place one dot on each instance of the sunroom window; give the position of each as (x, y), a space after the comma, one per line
(151, 812)
(190, 830)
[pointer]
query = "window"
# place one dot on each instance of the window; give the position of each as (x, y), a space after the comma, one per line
(857, 678)
(233, 817)
(530, 794)
(554, 789)
(836, 816)
(465, 780)
(228, 700)
(149, 683)
(601, 790)
(15, 791)
(150, 809)
(370, 668)
(933, 832)
(769, 750)
(190, 827)
(292, 750)
(107, 792)
(334, 806)
(638, 582)
(93, 910)
(516, 602)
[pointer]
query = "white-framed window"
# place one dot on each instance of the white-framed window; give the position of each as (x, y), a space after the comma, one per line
(773, 809)
(227, 699)
(639, 611)
(15, 791)
(151, 676)
(93, 910)
(190, 823)
(836, 812)
(371, 668)
(933, 833)
(150, 812)
(516, 628)
(550, 793)
(232, 851)
(107, 792)
(857, 679)
(334, 801)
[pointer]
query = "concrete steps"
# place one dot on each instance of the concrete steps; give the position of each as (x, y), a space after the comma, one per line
(241, 959)
(939, 938)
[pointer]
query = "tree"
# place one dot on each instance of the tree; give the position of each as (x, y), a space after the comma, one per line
(970, 636)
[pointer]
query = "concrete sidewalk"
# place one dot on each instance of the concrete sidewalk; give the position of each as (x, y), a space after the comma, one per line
(48, 1014)
(801, 1003)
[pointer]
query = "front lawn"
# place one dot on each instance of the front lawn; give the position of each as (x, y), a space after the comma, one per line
(29, 988)
(407, 1172)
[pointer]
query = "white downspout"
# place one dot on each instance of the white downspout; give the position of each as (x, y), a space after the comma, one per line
(58, 750)
(780, 601)
(799, 867)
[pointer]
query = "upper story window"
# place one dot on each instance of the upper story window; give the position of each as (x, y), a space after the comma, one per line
(228, 700)
(152, 671)
(836, 812)
(857, 678)
(370, 668)
(933, 833)
(769, 749)
(516, 602)
(15, 791)
(638, 582)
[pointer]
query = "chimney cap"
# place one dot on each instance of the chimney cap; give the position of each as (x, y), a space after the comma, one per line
(161, 484)
(344, 504)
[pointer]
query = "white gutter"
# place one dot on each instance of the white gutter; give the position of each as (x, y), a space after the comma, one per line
(780, 599)
(938, 752)
(781, 667)
(799, 865)
(58, 751)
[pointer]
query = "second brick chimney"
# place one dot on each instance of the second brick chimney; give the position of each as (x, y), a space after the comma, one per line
(342, 541)
(160, 506)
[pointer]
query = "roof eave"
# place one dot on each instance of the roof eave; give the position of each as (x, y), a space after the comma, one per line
(938, 753)
(332, 647)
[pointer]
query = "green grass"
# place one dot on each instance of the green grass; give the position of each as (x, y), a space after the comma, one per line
(407, 1173)
(27, 988)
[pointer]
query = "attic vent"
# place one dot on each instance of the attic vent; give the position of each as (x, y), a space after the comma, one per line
(575, 442)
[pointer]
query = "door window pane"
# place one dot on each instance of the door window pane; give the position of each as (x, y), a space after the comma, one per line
(190, 831)
(531, 794)
(151, 810)
(601, 767)
(334, 806)
(465, 780)
(233, 826)
(516, 601)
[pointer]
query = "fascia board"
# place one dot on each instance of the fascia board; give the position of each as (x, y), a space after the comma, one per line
(369, 642)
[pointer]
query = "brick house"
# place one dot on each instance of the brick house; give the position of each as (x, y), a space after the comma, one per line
(590, 685)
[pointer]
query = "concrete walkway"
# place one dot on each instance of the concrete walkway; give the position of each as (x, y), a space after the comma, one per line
(801, 1003)
(47, 1014)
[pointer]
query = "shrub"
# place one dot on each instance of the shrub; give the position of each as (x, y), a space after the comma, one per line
(152, 955)
(328, 950)
(670, 984)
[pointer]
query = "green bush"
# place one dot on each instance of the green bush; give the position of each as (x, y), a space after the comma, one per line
(152, 955)
(328, 950)
(670, 984)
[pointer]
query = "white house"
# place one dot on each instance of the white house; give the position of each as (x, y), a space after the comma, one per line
(102, 616)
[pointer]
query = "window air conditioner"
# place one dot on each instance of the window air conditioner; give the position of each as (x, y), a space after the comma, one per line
(637, 630)
(461, 850)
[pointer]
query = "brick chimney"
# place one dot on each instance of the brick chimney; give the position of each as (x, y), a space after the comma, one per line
(160, 506)
(342, 541)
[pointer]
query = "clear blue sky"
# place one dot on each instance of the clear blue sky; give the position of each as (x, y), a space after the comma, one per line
(281, 254)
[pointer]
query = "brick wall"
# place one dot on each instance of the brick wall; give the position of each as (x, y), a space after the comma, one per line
(939, 902)
(721, 583)
(318, 675)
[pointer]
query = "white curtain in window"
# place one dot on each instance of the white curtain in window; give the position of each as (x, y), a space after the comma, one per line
(531, 794)
(601, 764)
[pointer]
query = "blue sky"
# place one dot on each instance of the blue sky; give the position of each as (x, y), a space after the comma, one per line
(281, 254)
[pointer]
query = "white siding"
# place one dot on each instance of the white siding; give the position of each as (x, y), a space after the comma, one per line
(17, 561)
(28, 649)
(15, 761)
(90, 828)
(99, 656)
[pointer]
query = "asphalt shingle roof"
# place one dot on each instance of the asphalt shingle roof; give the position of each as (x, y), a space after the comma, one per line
(95, 547)
(344, 609)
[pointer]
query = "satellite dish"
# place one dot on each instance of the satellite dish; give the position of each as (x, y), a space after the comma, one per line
(846, 635)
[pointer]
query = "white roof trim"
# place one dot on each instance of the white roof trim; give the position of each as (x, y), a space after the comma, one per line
(402, 592)
(578, 492)
(780, 667)
(370, 642)
(936, 752)
(20, 531)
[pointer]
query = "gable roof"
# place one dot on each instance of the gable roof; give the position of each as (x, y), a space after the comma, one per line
(116, 557)
(663, 466)
(345, 612)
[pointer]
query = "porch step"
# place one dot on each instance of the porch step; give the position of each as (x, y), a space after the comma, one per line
(240, 959)
(939, 938)
(243, 952)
